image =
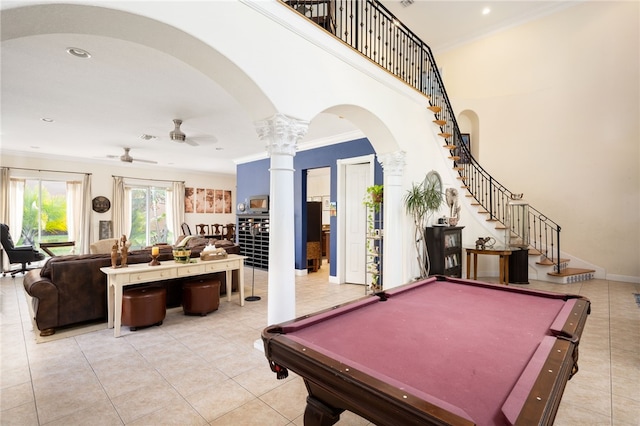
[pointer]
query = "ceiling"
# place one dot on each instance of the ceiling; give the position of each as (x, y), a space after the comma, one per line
(99, 106)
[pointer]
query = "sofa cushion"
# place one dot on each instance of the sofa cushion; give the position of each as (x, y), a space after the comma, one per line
(45, 271)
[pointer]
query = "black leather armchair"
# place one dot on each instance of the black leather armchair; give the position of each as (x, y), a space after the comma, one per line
(21, 254)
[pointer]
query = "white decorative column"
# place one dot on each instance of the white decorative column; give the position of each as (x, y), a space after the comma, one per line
(393, 164)
(281, 135)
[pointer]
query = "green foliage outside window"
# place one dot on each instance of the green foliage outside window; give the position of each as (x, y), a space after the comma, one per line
(148, 217)
(44, 213)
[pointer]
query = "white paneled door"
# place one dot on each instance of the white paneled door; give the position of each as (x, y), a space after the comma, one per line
(357, 179)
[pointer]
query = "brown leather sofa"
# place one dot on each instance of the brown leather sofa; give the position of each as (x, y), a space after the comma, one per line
(72, 289)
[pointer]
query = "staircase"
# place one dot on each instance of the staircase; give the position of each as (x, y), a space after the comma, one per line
(372, 30)
(557, 270)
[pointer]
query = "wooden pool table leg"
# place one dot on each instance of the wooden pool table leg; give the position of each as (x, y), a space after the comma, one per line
(318, 414)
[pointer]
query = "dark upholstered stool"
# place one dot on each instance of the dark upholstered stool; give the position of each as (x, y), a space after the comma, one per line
(143, 306)
(201, 296)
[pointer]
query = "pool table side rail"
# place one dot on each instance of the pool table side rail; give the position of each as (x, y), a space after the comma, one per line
(345, 388)
(541, 405)
(570, 323)
(502, 287)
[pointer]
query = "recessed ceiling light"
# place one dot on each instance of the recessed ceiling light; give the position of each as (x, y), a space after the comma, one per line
(47, 120)
(78, 53)
(486, 11)
(219, 148)
(146, 137)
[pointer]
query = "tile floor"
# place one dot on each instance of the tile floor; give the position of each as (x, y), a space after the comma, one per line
(205, 370)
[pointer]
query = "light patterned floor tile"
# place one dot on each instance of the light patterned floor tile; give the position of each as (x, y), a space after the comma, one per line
(180, 373)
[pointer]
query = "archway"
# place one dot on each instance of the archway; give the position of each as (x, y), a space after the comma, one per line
(469, 123)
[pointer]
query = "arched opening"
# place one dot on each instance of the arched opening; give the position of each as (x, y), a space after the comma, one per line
(470, 124)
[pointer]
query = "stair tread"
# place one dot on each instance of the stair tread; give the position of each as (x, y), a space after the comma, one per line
(440, 122)
(434, 108)
(454, 157)
(445, 134)
(567, 272)
(449, 146)
(547, 261)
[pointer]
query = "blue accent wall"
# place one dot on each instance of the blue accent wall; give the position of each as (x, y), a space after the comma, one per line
(253, 179)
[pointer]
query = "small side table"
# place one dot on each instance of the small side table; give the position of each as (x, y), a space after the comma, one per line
(46, 246)
(504, 261)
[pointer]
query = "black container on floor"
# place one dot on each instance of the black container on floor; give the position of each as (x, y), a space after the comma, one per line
(519, 266)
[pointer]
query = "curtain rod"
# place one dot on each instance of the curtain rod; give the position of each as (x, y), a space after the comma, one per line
(152, 180)
(45, 170)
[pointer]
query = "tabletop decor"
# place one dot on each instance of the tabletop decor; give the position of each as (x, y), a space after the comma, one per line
(451, 196)
(155, 252)
(181, 255)
(211, 252)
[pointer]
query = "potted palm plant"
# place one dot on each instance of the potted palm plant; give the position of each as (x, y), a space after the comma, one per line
(421, 201)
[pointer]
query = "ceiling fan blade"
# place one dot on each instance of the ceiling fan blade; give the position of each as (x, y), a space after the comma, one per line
(191, 142)
(139, 160)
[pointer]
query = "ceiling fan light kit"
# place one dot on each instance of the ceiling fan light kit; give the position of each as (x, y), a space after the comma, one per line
(177, 134)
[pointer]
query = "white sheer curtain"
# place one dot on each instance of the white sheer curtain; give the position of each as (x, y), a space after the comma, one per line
(4, 195)
(79, 213)
(74, 211)
(16, 198)
(121, 208)
(4, 207)
(85, 222)
(175, 208)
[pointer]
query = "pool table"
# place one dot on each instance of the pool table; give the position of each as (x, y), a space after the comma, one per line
(442, 351)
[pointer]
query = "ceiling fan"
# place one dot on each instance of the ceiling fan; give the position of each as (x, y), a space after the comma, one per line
(126, 158)
(179, 136)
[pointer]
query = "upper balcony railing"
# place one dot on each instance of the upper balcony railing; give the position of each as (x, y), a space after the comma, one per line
(372, 30)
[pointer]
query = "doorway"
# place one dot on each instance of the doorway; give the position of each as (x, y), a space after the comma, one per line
(318, 217)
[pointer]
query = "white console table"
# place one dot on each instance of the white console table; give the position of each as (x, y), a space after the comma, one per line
(118, 278)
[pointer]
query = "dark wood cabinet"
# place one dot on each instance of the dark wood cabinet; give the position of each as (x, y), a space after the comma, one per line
(314, 235)
(253, 238)
(444, 246)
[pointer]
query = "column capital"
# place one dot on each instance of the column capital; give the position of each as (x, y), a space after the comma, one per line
(281, 133)
(393, 163)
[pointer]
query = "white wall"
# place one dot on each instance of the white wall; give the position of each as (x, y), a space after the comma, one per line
(318, 186)
(101, 183)
(557, 101)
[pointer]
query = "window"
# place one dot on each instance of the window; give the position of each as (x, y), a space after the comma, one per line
(148, 216)
(44, 212)
(46, 206)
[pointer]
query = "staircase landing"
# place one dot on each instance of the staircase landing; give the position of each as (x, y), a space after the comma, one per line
(571, 275)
